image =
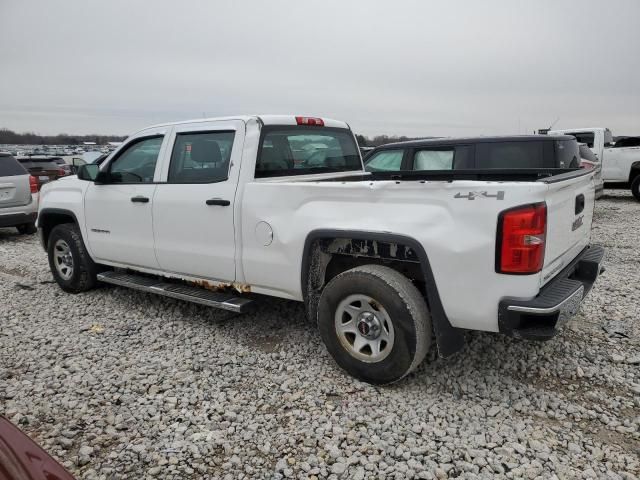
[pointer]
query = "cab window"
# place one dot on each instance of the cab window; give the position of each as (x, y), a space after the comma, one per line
(137, 163)
(201, 157)
(286, 150)
(385, 161)
(436, 159)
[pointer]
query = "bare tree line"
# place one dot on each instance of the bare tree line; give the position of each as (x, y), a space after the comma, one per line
(30, 138)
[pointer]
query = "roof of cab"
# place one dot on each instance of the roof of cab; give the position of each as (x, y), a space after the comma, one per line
(578, 130)
(468, 140)
(265, 119)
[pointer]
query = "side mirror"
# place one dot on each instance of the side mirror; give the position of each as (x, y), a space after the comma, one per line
(88, 172)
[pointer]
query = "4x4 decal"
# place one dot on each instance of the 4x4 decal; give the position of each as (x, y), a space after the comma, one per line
(499, 195)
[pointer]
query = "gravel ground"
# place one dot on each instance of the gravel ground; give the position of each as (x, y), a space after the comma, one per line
(120, 384)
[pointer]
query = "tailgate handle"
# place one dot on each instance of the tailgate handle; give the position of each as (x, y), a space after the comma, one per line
(579, 203)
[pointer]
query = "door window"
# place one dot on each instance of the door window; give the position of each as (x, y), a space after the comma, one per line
(201, 157)
(136, 164)
(441, 159)
(385, 161)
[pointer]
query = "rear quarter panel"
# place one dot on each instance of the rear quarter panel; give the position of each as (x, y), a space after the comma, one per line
(455, 222)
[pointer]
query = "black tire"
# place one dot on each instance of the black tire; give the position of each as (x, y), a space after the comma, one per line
(83, 270)
(399, 301)
(635, 187)
(27, 229)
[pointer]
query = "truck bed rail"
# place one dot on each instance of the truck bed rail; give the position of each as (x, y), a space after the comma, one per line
(546, 175)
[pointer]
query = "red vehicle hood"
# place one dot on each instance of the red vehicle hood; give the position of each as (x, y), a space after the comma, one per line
(23, 459)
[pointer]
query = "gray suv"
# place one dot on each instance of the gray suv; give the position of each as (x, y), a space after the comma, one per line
(18, 196)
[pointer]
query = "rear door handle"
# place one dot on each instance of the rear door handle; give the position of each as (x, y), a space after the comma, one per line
(140, 199)
(218, 201)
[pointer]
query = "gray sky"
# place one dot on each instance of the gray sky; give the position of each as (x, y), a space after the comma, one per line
(395, 67)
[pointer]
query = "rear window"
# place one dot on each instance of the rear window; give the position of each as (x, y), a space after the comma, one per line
(36, 163)
(583, 137)
(303, 150)
(511, 155)
(10, 167)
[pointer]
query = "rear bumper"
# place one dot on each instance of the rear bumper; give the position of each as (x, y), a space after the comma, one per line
(13, 219)
(541, 317)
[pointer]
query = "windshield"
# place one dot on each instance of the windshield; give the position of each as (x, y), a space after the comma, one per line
(298, 150)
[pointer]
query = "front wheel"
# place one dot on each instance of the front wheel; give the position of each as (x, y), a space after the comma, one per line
(70, 264)
(375, 323)
(635, 187)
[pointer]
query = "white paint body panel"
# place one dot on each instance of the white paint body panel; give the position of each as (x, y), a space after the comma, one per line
(195, 241)
(191, 237)
(616, 162)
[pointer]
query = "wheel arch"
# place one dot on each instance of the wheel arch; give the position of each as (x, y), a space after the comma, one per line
(48, 218)
(448, 338)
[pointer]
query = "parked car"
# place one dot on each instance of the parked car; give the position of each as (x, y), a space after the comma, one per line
(18, 196)
(65, 168)
(589, 160)
(620, 164)
(476, 153)
(381, 260)
(43, 168)
(23, 459)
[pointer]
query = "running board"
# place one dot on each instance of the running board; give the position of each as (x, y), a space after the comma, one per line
(198, 295)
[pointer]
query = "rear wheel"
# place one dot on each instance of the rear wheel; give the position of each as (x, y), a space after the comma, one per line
(375, 323)
(27, 229)
(70, 264)
(635, 187)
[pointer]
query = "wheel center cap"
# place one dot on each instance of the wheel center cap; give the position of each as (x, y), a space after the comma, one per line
(369, 325)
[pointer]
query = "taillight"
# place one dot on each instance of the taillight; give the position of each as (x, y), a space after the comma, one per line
(310, 121)
(33, 184)
(61, 172)
(521, 239)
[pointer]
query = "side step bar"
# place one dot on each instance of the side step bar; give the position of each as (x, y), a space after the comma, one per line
(198, 295)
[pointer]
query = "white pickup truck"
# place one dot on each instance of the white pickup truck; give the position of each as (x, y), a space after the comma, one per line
(620, 165)
(224, 211)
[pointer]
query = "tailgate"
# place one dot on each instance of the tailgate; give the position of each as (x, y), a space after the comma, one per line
(570, 205)
(14, 191)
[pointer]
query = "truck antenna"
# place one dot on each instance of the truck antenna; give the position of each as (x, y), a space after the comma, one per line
(554, 122)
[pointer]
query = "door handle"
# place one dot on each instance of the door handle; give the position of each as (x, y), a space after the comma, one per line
(140, 199)
(579, 204)
(218, 201)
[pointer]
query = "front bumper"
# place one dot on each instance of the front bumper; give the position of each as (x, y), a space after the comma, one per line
(541, 317)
